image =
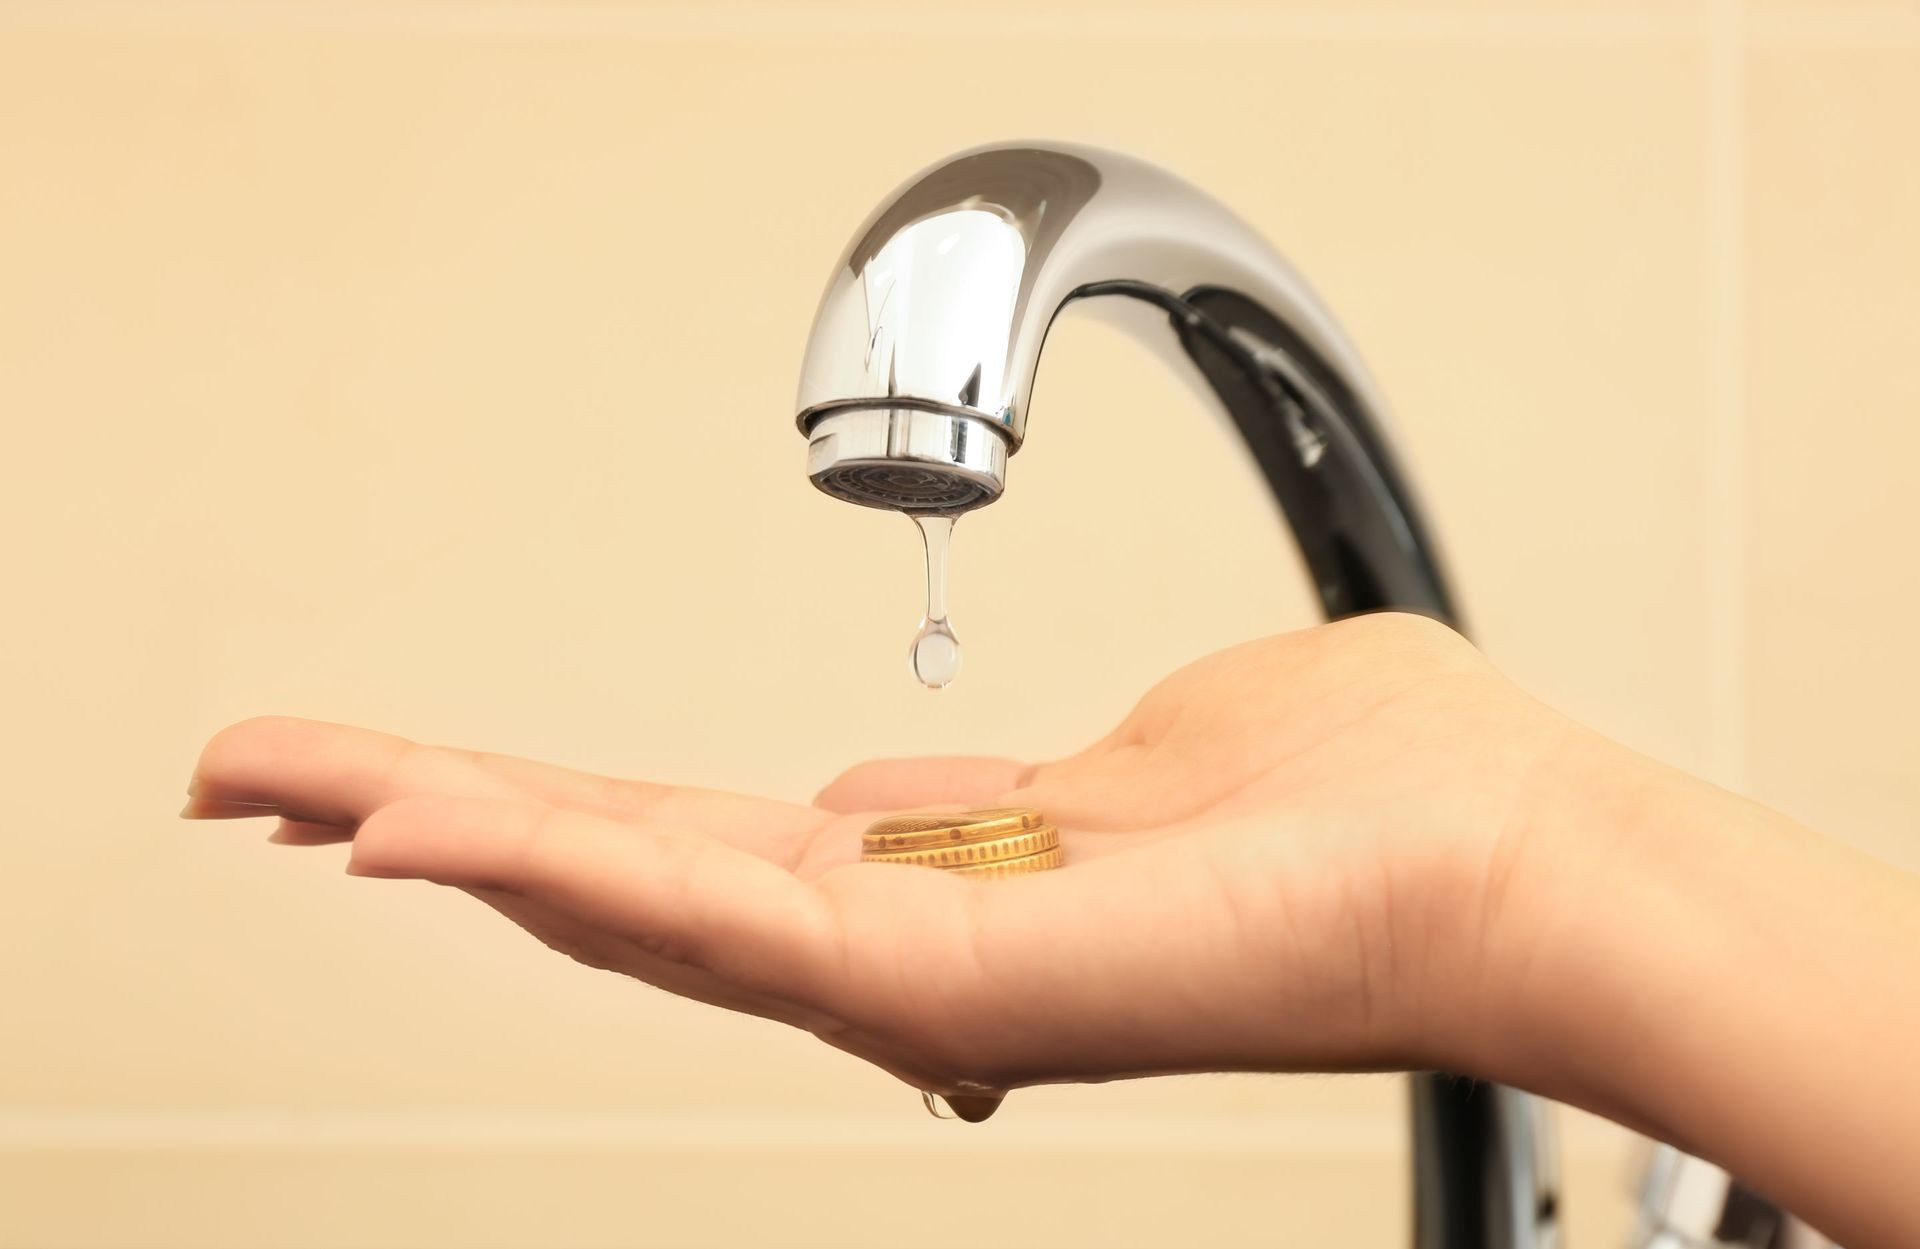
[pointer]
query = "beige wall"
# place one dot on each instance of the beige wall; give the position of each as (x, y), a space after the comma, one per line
(429, 365)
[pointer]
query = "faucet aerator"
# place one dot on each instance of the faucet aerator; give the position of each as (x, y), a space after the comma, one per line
(913, 460)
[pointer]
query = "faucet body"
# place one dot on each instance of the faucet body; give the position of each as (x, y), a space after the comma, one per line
(915, 392)
(921, 365)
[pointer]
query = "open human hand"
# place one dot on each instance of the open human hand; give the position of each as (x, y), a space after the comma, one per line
(1300, 853)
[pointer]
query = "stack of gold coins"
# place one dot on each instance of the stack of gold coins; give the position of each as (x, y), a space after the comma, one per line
(1005, 841)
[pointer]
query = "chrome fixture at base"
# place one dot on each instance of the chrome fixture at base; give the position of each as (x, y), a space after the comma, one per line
(1686, 1203)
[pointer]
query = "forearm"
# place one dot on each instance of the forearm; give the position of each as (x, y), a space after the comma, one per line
(1732, 983)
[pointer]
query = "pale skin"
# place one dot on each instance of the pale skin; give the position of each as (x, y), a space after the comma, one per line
(1355, 847)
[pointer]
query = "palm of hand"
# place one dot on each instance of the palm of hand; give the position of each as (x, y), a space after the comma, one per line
(1252, 857)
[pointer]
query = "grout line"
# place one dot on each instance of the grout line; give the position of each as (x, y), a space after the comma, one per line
(835, 20)
(909, 1132)
(1726, 386)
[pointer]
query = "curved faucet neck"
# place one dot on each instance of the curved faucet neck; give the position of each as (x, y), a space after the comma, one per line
(920, 368)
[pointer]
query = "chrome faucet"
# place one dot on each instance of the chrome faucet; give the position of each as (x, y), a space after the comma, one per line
(914, 396)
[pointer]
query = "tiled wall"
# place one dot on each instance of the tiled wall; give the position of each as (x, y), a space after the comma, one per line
(429, 365)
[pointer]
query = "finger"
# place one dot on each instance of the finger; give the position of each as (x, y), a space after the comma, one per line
(682, 899)
(780, 831)
(606, 950)
(317, 772)
(887, 784)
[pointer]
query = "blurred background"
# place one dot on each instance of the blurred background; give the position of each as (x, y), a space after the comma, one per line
(429, 365)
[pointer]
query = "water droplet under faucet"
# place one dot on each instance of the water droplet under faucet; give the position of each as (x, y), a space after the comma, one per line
(935, 655)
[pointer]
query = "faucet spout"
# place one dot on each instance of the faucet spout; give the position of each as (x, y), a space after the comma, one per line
(920, 369)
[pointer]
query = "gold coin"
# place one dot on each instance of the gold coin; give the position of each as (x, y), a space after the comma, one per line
(920, 832)
(927, 821)
(1014, 846)
(1046, 860)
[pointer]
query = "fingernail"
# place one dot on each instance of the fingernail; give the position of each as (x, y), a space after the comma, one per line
(200, 787)
(199, 808)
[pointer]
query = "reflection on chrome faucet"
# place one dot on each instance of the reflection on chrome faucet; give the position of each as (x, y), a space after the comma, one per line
(1686, 1203)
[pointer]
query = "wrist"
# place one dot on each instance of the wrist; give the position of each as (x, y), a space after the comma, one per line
(1599, 936)
(1656, 909)
(1719, 977)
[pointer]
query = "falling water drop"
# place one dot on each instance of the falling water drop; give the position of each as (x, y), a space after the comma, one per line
(935, 655)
